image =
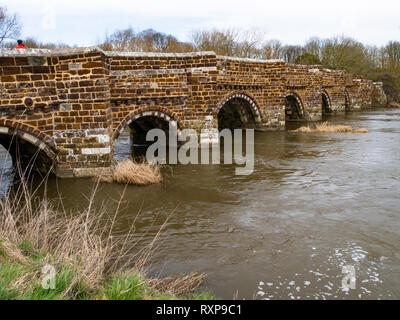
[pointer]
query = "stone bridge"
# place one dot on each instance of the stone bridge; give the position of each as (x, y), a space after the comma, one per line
(69, 106)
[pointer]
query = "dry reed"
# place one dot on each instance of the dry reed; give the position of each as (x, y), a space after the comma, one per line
(394, 104)
(130, 172)
(81, 243)
(325, 127)
(178, 285)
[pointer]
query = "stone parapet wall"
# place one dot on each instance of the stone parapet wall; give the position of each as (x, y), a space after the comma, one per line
(75, 102)
(304, 82)
(379, 97)
(63, 96)
(260, 80)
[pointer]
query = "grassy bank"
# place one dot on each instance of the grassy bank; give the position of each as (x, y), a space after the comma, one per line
(39, 239)
(22, 278)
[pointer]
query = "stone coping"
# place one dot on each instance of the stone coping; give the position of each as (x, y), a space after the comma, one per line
(312, 66)
(45, 52)
(249, 59)
(158, 54)
(71, 51)
(60, 52)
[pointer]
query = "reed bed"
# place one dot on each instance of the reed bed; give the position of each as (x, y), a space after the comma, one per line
(394, 104)
(326, 127)
(130, 172)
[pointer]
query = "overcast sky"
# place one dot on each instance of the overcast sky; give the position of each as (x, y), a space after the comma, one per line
(293, 22)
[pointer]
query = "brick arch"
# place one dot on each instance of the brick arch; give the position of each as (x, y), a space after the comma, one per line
(347, 100)
(247, 97)
(328, 99)
(30, 134)
(162, 113)
(298, 99)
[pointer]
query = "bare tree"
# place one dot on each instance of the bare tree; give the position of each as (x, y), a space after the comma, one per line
(222, 42)
(250, 44)
(313, 47)
(392, 53)
(272, 50)
(9, 25)
(230, 42)
(291, 53)
(148, 40)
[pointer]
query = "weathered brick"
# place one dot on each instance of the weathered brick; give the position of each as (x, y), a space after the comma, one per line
(99, 94)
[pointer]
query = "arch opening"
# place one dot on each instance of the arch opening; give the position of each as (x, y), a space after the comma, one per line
(132, 140)
(142, 125)
(293, 109)
(25, 157)
(237, 113)
(326, 106)
(346, 101)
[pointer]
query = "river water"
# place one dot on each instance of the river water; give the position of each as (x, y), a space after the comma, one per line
(315, 203)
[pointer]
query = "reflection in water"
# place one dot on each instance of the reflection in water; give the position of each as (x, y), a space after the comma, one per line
(315, 203)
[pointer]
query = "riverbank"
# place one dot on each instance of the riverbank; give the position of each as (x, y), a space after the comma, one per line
(25, 275)
(49, 253)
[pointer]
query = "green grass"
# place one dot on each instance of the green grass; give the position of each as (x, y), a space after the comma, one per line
(125, 287)
(88, 262)
(8, 272)
(23, 281)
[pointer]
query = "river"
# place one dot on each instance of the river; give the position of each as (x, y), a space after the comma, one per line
(315, 203)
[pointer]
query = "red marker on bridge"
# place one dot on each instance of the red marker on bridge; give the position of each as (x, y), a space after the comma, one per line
(20, 45)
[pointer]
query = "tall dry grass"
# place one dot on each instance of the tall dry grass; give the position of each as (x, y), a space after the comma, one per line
(82, 243)
(326, 127)
(130, 172)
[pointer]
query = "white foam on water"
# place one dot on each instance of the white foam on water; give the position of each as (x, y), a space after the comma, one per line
(326, 277)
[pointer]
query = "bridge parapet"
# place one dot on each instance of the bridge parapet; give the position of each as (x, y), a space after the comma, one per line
(379, 97)
(183, 83)
(334, 89)
(74, 103)
(361, 92)
(260, 80)
(64, 95)
(304, 83)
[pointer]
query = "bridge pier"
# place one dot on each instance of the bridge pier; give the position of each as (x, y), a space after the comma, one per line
(85, 153)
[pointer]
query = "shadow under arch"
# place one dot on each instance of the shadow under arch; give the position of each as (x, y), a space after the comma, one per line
(29, 153)
(326, 103)
(294, 110)
(347, 101)
(238, 111)
(164, 116)
(133, 141)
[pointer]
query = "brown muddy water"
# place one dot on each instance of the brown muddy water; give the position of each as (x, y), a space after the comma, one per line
(315, 203)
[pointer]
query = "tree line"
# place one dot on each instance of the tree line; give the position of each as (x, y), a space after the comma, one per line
(338, 53)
